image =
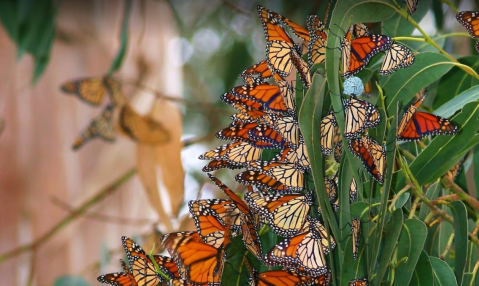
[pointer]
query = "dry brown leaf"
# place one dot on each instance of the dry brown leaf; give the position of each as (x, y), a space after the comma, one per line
(140, 128)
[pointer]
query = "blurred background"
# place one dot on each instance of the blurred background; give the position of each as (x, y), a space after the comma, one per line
(64, 211)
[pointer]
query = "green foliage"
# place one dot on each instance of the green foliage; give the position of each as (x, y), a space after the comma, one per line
(31, 25)
(120, 56)
(400, 244)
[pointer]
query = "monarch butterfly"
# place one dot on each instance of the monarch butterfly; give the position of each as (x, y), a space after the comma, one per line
(396, 57)
(297, 29)
(268, 95)
(360, 30)
(140, 128)
(289, 278)
(371, 154)
(91, 90)
(243, 105)
(338, 151)
(355, 54)
(209, 226)
(359, 114)
(356, 232)
(286, 214)
(359, 282)
(287, 127)
(214, 165)
(143, 269)
(258, 73)
(353, 190)
(286, 173)
(225, 211)
(411, 5)
(470, 21)
(281, 52)
(298, 156)
(331, 189)
(248, 228)
(317, 44)
(261, 181)
(416, 125)
(454, 171)
(265, 133)
(304, 251)
(288, 95)
(328, 129)
(101, 126)
(236, 153)
(199, 263)
(119, 278)
(239, 131)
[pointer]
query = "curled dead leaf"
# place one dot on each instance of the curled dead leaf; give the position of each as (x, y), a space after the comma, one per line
(142, 128)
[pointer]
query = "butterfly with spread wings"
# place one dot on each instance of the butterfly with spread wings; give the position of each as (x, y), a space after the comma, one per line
(102, 127)
(198, 262)
(415, 125)
(356, 53)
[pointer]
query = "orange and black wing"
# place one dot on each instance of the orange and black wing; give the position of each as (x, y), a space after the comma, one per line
(119, 278)
(291, 278)
(362, 49)
(360, 150)
(317, 44)
(269, 96)
(258, 73)
(261, 181)
(198, 263)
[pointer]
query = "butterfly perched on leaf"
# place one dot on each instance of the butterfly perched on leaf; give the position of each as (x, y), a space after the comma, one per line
(356, 53)
(286, 214)
(247, 220)
(101, 127)
(268, 95)
(372, 155)
(198, 262)
(282, 53)
(396, 57)
(359, 115)
(288, 174)
(305, 251)
(415, 125)
(470, 21)
(359, 282)
(328, 130)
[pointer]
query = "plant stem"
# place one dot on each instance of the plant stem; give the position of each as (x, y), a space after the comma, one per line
(449, 184)
(102, 194)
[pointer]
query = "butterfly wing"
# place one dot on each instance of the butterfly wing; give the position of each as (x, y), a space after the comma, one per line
(362, 49)
(328, 126)
(198, 263)
(360, 150)
(261, 181)
(397, 56)
(90, 90)
(286, 173)
(317, 44)
(258, 73)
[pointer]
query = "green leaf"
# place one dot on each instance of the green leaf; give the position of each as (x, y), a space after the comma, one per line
(443, 275)
(450, 107)
(403, 84)
(351, 268)
(419, 46)
(118, 61)
(393, 229)
(459, 213)
(397, 25)
(475, 167)
(235, 270)
(445, 151)
(410, 244)
(456, 81)
(403, 198)
(438, 14)
(423, 274)
(70, 281)
(432, 193)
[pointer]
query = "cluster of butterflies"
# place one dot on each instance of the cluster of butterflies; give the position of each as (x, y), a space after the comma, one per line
(94, 91)
(278, 194)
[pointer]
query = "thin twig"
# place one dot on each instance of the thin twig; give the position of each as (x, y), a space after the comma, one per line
(449, 184)
(103, 217)
(102, 194)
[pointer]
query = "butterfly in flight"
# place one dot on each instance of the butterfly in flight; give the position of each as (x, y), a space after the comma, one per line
(101, 126)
